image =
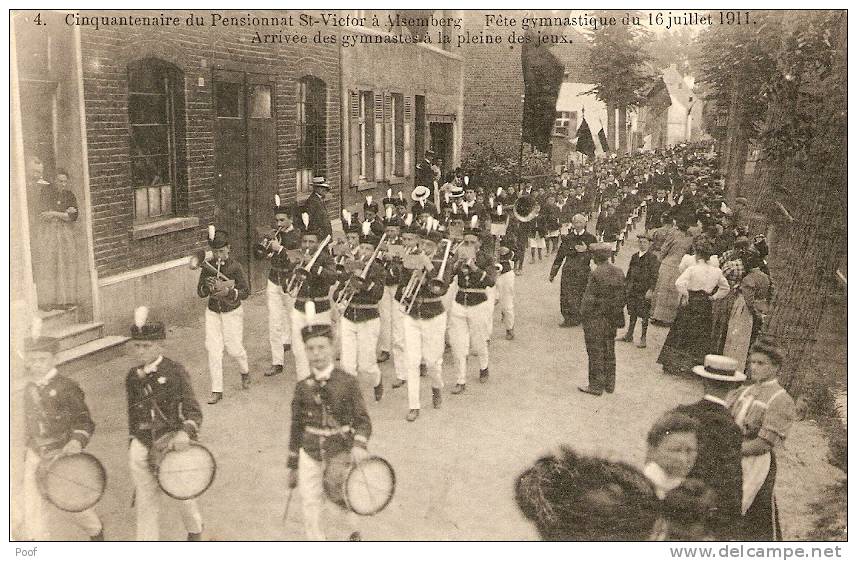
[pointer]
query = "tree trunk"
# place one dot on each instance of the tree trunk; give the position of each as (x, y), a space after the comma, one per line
(623, 129)
(611, 127)
(736, 146)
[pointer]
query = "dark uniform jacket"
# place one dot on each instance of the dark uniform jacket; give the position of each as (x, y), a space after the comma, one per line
(316, 286)
(610, 226)
(507, 261)
(55, 413)
(160, 402)
(429, 304)
(604, 296)
(280, 265)
(654, 210)
(642, 273)
(472, 285)
(718, 461)
(318, 219)
(232, 270)
(364, 304)
(392, 266)
(334, 406)
(376, 227)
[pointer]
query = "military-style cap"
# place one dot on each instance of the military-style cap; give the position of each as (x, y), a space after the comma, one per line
(316, 330)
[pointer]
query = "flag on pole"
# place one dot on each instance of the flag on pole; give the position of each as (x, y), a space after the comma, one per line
(602, 138)
(584, 139)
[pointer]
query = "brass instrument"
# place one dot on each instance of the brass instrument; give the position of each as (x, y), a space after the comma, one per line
(222, 283)
(301, 272)
(263, 248)
(413, 260)
(356, 282)
(437, 284)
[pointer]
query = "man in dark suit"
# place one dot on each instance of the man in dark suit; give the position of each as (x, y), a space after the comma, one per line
(601, 311)
(425, 173)
(656, 208)
(718, 461)
(639, 288)
(314, 206)
(573, 256)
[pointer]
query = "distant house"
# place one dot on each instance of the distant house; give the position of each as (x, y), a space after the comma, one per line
(671, 114)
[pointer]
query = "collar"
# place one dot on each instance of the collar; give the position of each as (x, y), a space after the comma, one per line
(580, 233)
(660, 200)
(153, 366)
(46, 379)
(641, 253)
(770, 382)
(323, 374)
(714, 399)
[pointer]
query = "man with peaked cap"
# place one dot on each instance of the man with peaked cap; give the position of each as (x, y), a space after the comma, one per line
(329, 416)
(390, 260)
(314, 289)
(475, 271)
(370, 215)
(57, 421)
(315, 207)
(163, 414)
(225, 285)
(573, 256)
(280, 304)
(601, 312)
(360, 323)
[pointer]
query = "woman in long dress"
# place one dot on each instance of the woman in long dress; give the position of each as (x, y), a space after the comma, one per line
(734, 269)
(667, 297)
(689, 338)
(764, 411)
(748, 311)
(56, 254)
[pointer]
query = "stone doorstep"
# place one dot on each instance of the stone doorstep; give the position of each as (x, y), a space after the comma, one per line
(74, 335)
(80, 357)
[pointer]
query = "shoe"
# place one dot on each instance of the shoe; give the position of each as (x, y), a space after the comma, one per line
(510, 334)
(355, 537)
(567, 323)
(397, 384)
(459, 388)
(275, 369)
(245, 380)
(609, 391)
(215, 397)
(194, 537)
(384, 356)
(642, 343)
(626, 338)
(423, 370)
(436, 398)
(589, 390)
(518, 273)
(287, 348)
(412, 415)
(99, 537)
(483, 375)
(379, 391)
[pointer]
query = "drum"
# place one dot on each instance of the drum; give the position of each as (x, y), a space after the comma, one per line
(71, 482)
(184, 474)
(365, 488)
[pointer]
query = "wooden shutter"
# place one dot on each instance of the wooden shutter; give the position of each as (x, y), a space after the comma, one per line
(379, 136)
(356, 140)
(388, 136)
(409, 119)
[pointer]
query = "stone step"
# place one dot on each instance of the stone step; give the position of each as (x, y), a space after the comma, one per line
(55, 319)
(106, 348)
(75, 335)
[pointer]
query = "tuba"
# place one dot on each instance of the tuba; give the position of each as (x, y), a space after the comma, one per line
(526, 208)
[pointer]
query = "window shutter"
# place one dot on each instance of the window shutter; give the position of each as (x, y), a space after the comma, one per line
(379, 136)
(388, 135)
(354, 124)
(409, 118)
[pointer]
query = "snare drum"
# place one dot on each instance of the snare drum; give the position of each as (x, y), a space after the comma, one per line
(365, 488)
(71, 482)
(184, 474)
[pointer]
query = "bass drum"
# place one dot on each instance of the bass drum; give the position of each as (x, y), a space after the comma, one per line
(72, 482)
(365, 488)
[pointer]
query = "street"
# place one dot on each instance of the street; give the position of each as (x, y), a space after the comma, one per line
(455, 466)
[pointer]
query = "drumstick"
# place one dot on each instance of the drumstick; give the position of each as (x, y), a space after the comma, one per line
(288, 504)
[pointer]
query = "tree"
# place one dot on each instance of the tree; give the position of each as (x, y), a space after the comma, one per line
(618, 65)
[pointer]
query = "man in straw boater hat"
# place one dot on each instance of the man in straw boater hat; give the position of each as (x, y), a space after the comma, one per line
(56, 421)
(225, 285)
(315, 208)
(280, 304)
(573, 256)
(163, 414)
(329, 417)
(602, 312)
(425, 173)
(718, 461)
(475, 271)
(359, 323)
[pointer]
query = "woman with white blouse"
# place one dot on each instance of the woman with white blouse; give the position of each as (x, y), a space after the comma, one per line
(689, 339)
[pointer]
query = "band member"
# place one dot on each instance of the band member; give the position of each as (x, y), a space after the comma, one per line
(391, 260)
(410, 244)
(640, 285)
(425, 322)
(225, 285)
(280, 304)
(656, 208)
(57, 421)
(573, 256)
(370, 215)
(314, 288)
(359, 323)
(328, 417)
(505, 287)
(314, 207)
(163, 414)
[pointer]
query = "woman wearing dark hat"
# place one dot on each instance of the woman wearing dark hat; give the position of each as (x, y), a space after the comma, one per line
(764, 412)
(689, 338)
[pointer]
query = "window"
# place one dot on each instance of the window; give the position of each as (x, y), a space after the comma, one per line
(366, 135)
(398, 115)
(260, 101)
(380, 137)
(312, 99)
(565, 124)
(155, 104)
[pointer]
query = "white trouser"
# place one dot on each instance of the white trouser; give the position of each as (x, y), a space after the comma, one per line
(466, 331)
(385, 311)
(148, 497)
(491, 293)
(280, 307)
(448, 300)
(398, 330)
(299, 322)
(224, 329)
(36, 506)
(423, 343)
(358, 347)
(311, 486)
(506, 293)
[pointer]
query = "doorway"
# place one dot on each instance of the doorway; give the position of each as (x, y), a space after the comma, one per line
(245, 157)
(441, 143)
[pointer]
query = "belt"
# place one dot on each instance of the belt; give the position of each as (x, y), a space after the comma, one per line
(480, 290)
(318, 431)
(429, 300)
(363, 306)
(305, 299)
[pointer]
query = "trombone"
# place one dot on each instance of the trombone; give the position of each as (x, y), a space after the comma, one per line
(301, 272)
(355, 283)
(415, 282)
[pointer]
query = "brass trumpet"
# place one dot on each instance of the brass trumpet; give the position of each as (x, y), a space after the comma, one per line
(197, 260)
(263, 248)
(301, 272)
(355, 283)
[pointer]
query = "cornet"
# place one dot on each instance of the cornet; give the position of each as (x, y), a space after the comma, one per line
(301, 272)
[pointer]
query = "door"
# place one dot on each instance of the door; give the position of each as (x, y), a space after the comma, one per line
(441, 143)
(419, 129)
(245, 163)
